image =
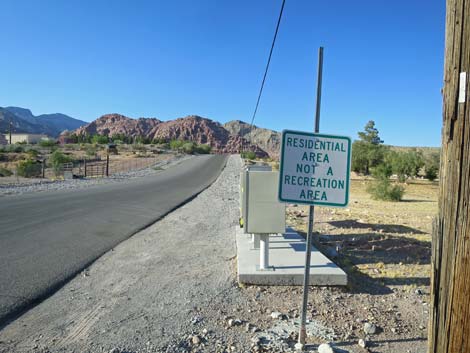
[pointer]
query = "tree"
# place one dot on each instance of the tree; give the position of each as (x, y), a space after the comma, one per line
(370, 134)
(431, 166)
(449, 330)
(368, 151)
(405, 164)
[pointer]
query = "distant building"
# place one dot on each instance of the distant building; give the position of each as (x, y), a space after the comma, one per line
(28, 138)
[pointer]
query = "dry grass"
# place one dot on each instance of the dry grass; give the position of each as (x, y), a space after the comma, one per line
(386, 242)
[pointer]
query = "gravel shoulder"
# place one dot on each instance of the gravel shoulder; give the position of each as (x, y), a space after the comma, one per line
(172, 288)
(41, 185)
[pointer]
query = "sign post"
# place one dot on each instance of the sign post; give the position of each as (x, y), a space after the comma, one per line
(314, 170)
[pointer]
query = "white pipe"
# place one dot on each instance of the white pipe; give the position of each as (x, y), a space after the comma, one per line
(264, 252)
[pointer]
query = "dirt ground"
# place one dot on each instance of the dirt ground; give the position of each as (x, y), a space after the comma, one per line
(172, 287)
(385, 248)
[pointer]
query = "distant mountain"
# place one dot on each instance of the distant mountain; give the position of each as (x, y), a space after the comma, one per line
(192, 128)
(60, 122)
(49, 124)
(18, 124)
(23, 113)
(268, 140)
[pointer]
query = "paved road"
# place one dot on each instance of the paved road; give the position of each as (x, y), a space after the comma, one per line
(46, 238)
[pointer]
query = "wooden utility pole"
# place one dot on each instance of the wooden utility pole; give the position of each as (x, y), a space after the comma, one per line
(449, 330)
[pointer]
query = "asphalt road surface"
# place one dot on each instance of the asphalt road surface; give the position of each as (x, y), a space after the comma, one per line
(47, 238)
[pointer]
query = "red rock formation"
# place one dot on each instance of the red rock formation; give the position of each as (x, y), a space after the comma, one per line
(111, 124)
(191, 128)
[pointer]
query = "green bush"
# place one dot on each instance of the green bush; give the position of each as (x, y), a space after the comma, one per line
(100, 139)
(189, 147)
(4, 172)
(382, 171)
(383, 189)
(29, 169)
(431, 172)
(32, 153)
(14, 148)
(203, 149)
(56, 160)
(431, 166)
(47, 143)
(248, 155)
(176, 144)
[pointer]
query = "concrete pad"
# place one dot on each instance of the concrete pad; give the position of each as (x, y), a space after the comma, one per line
(286, 259)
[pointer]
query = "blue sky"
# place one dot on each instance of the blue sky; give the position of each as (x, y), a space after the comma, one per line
(167, 59)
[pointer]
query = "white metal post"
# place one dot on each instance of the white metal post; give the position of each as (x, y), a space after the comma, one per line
(255, 240)
(264, 252)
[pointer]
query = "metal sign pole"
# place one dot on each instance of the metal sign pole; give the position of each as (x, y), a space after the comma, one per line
(308, 248)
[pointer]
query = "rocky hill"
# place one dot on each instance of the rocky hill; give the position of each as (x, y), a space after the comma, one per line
(268, 140)
(111, 124)
(191, 128)
(24, 121)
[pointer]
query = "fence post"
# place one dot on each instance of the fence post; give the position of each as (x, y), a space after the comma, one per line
(43, 168)
(84, 165)
(107, 164)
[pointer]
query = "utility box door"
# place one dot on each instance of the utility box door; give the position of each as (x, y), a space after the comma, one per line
(264, 212)
(243, 182)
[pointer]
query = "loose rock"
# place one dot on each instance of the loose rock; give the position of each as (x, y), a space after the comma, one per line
(276, 315)
(325, 348)
(362, 343)
(369, 328)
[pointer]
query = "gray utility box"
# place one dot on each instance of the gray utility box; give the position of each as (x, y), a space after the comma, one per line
(262, 213)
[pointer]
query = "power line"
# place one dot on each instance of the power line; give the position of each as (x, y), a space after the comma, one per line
(266, 70)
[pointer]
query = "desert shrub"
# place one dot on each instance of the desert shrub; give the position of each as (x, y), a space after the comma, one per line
(159, 141)
(203, 149)
(90, 150)
(189, 147)
(56, 160)
(142, 140)
(383, 189)
(100, 139)
(430, 172)
(32, 153)
(16, 148)
(138, 147)
(248, 155)
(29, 168)
(47, 143)
(176, 144)
(4, 172)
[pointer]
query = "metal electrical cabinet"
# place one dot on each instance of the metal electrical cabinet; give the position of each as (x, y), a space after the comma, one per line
(262, 213)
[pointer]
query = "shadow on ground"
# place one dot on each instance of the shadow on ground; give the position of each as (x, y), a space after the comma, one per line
(349, 250)
(386, 228)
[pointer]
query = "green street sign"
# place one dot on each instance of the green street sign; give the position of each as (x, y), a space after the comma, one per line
(314, 169)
